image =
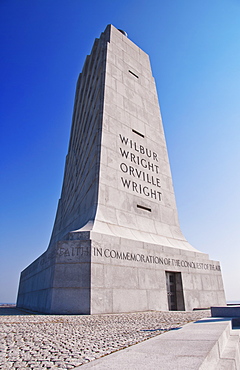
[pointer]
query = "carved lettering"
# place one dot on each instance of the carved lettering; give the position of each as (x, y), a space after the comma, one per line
(158, 260)
(138, 148)
(147, 164)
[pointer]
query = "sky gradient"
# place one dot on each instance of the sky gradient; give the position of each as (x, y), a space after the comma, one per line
(195, 56)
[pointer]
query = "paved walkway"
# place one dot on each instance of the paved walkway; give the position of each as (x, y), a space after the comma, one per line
(207, 344)
(65, 342)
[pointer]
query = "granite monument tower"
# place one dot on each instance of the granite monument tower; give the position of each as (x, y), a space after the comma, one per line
(116, 244)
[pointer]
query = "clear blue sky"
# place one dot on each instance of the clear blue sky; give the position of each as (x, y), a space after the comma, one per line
(195, 55)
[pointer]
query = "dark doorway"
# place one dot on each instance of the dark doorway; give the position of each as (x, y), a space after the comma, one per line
(175, 291)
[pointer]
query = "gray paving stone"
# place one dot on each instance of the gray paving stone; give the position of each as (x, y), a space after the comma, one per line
(64, 342)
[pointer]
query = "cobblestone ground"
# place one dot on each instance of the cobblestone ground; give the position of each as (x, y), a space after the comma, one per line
(64, 342)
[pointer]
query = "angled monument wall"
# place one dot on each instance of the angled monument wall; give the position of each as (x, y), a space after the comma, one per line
(116, 244)
(117, 160)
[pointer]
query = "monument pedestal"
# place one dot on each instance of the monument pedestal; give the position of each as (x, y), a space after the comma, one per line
(95, 273)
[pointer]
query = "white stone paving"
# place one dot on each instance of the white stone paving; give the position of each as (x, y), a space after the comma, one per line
(64, 342)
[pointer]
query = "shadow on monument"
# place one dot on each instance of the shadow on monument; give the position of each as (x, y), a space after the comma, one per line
(14, 311)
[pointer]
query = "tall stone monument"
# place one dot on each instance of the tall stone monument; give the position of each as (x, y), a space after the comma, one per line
(116, 244)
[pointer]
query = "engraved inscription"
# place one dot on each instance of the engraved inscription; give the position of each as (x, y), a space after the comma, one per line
(153, 259)
(139, 163)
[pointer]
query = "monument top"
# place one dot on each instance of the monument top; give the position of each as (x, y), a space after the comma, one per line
(123, 32)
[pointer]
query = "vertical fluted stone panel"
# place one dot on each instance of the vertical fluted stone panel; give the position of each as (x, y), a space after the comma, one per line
(78, 202)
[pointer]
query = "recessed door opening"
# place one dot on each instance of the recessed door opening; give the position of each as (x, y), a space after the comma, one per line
(174, 291)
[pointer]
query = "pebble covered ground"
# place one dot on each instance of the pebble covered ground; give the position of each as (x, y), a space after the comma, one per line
(64, 342)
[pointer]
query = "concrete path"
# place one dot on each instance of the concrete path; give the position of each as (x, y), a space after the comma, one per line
(208, 344)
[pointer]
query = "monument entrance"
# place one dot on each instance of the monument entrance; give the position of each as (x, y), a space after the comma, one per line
(175, 291)
(116, 230)
(171, 291)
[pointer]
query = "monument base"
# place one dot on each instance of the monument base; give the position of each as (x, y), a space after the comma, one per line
(90, 273)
